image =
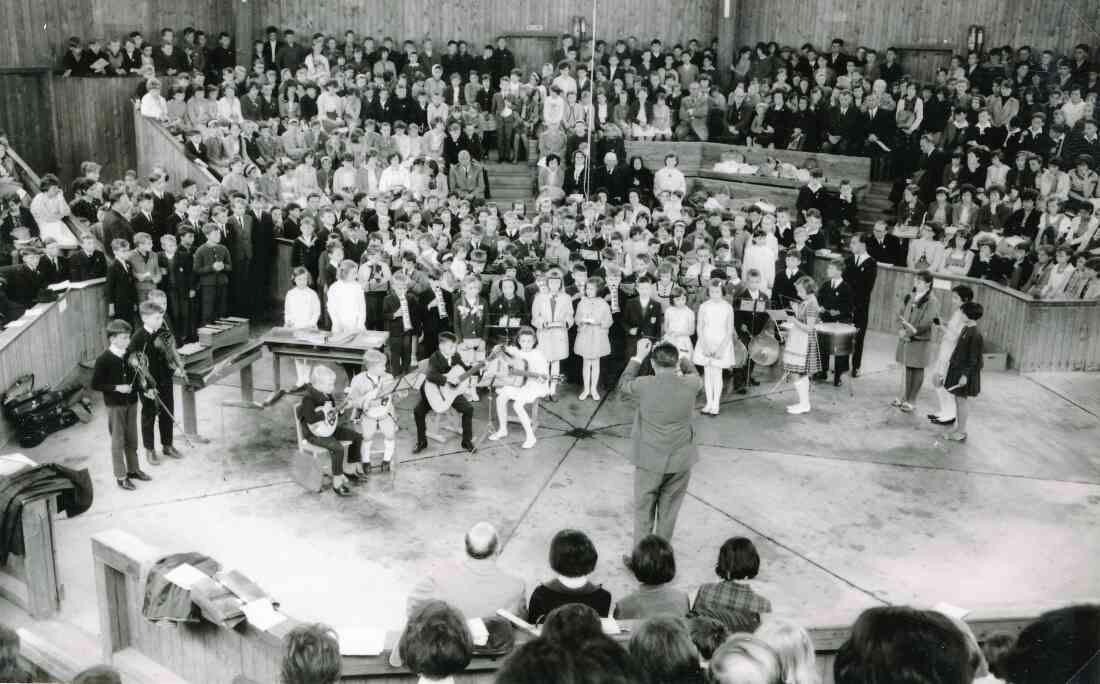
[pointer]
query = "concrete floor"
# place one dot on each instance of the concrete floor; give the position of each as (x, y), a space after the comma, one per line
(852, 505)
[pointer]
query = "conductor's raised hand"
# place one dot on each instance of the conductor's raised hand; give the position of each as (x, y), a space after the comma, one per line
(645, 346)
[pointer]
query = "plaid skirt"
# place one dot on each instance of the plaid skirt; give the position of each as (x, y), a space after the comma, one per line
(801, 353)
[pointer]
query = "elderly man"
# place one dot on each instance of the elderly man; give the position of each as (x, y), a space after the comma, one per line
(610, 177)
(693, 115)
(466, 178)
(663, 436)
(476, 586)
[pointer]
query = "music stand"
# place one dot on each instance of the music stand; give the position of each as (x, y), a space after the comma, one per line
(491, 426)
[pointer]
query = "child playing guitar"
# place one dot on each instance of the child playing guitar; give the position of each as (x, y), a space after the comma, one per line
(440, 364)
(529, 365)
(372, 395)
(320, 418)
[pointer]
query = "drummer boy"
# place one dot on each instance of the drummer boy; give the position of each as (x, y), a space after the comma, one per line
(835, 299)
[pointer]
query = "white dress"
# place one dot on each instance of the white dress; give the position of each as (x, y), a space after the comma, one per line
(680, 325)
(533, 388)
(715, 343)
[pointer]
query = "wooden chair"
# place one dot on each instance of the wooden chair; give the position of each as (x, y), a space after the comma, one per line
(312, 465)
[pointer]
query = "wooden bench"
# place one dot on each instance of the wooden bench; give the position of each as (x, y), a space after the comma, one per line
(697, 160)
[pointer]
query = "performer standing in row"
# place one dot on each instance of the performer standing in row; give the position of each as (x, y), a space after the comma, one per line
(373, 393)
(302, 311)
(918, 311)
(801, 355)
(156, 400)
(960, 294)
(835, 298)
(714, 345)
(860, 271)
(593, 318)
(552, 316)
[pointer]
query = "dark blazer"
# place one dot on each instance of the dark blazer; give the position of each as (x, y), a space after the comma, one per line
(784, 294)
(83, 267)
(886, 252)
(966, 360)
(1028, 227)
(391, 305)
(115, 227)
(122, 291)
(142, 224)
(51, 273)
(25, 286)
(179, 271)
(861, 278)
(430, 320)
(240, 236)
(649, 322)
(613, 180)
(547, 597)
(835, 298)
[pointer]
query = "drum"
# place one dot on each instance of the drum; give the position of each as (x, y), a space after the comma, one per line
(836, 339)
(764, 349)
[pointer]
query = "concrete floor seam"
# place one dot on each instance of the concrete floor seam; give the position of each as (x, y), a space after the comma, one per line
(1059, 395)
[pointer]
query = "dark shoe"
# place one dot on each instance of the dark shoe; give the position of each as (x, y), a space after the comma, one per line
(469, 446)
(125, 483)
(933, 416)
(385, 466)
(754, 382)
(421, 446)
(742, 390)
(140, 476)
(342, 490)
(837, 382)
(172, 452)
(151, 456)
(855, 372)
(937, 421)
(820, 377)
(353, 478)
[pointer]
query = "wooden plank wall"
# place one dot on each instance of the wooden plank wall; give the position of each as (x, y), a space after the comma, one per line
(155, 146)
(55, 338)
(37, 31)
(881, 23)
(25, 116)
(479, 21)
(1037, 335)
(94, 122)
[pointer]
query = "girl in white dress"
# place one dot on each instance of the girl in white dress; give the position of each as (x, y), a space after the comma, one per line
(530, 360)
(714, 344)
(593, 319)
(346, 306)
(680, 321)
(302, 311)
(552, 316)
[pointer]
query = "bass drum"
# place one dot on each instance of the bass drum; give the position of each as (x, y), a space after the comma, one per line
(836, 339)
(764, 349)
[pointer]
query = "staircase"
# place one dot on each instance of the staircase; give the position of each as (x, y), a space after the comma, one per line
(875, 200)
(510, 183)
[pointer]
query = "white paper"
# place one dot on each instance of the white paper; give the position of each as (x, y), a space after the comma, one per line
(478, 631)
(610, 627)
(362, 642)
(186, 576)
(58, 287)
(261, 614)
(18, 323)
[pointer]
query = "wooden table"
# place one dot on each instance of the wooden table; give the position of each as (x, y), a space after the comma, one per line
(238, 359)
(317, 346)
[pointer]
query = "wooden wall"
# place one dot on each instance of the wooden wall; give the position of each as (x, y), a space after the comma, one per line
(881, 23)
(155, 146)
(479, 21)
(37, 31)
(26, 117)
(53, 339)
(94, 123)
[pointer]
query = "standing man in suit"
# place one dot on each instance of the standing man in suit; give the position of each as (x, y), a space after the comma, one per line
(240, 249)
(116, 225)
(860, 271)
(835, 298)
(663, 450)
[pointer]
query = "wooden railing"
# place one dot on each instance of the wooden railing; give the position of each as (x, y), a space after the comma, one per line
(156, 146)
(51, 339)
(1036, 334)
(212, 655)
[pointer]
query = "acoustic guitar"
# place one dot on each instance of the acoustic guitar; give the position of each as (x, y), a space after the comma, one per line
(459, 381)
(510, 372)
(327, 425)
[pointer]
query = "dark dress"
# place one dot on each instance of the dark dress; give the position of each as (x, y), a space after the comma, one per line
(966, 360)
(549, 595)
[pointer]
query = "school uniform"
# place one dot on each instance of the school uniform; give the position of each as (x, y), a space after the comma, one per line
(784, 294)
(213, 286)
(835, 296)
(435, 317)
(470, 321)
(154, 347)
(178, 282)
(402, 319)
(110, 371)
(122, 291)
(860, 273)
(642, 321)
(84, 266)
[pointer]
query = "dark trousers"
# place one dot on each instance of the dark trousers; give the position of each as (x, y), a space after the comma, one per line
(838, 370)
(241, 283)
(182, 310)
(214, 303)
(860, 321)
(122, 426)
(464, 407)
(613, 364)
(399, 350)
(153, 412)
(335, 448)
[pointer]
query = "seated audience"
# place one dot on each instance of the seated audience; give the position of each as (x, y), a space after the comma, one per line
(745, 659)
(572, 558)
(476, 586)
(654, 566)
(1059, 646)
(794, 647)
(707, 634)
(737, 561)
(436, 643)
(899, 643)
(664, 652)
(572, 625)
(312, 655)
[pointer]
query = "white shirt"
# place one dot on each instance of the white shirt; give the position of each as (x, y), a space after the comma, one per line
(669, 178)
(302, 308)
(154, 106)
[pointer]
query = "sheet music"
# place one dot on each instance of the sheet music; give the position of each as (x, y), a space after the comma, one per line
(261, 614)
(186, 576)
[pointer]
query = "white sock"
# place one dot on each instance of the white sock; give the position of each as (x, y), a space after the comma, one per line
(388, 447)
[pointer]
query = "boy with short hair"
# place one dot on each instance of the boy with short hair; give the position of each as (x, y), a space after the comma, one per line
(373, 393)
(88, 262)
(403, 322)
(114, 377)
(318, 407)
(122, 294)
(145, 265)
(439, 364)
(212, 265)
(157, 401)
(178, 282)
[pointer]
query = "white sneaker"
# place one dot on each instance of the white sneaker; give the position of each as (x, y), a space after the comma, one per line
(499, 434)
(583, 396)
(796, 409)
(529, 442)
(595, 397)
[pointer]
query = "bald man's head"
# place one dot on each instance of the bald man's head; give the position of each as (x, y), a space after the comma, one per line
(482, 541)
